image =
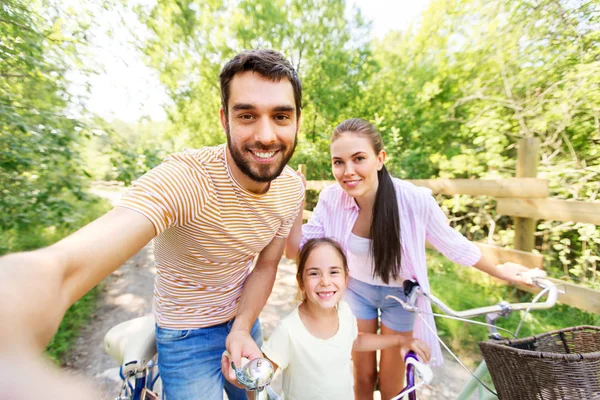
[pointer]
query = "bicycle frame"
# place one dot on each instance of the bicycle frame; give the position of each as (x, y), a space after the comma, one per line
(412, 290)
(142, 382)
(414, 368)
(410, 376)
(472, 385)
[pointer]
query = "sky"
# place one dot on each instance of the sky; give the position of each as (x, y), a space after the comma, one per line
(128, 90)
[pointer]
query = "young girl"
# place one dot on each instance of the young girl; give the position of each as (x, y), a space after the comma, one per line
(314, 343)
(382, 224)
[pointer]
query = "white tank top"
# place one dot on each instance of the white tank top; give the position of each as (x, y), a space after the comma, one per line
(360, 263)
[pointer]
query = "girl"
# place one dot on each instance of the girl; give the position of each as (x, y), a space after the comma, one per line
(314, 343)
(382, 223)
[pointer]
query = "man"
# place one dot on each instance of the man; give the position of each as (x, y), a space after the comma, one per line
(210, 212)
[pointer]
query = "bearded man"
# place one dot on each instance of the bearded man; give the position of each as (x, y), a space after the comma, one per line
(210, 212)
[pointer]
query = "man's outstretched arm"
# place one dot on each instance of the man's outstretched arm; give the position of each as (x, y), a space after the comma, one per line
(37, 287)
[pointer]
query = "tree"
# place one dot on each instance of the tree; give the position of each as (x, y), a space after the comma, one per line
(40, 170)
(192, 40)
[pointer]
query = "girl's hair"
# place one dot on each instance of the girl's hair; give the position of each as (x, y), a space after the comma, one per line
(385, 235)
(308, 247)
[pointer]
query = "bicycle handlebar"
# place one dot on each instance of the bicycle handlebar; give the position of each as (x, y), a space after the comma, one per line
(502, 307)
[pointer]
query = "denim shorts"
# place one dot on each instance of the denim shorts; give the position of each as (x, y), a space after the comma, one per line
(368, 302)
(189, 362)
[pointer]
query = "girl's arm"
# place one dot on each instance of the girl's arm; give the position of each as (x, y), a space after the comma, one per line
(373, 341)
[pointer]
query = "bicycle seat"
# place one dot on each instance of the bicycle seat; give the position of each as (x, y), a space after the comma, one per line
(132, 343)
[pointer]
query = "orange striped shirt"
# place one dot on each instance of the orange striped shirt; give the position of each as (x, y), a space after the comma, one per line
(209, 229)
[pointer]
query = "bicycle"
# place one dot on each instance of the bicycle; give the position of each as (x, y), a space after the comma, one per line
(503, 309)
(133, 345)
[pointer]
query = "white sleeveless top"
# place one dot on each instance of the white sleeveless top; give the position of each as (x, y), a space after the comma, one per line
(360, 263)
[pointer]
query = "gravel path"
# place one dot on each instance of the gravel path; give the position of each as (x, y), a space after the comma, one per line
(127, 294)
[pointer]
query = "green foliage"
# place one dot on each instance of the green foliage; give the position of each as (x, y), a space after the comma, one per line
(476, 76)
(42, 177)
(40, 170)
(464, 288)
(39, 234)
(192, 40)
(131, 149)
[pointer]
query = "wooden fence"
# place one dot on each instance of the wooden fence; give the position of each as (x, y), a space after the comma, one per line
(525, 198)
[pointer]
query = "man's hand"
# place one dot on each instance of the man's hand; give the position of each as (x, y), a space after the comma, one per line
(26, 376)
(239, 344)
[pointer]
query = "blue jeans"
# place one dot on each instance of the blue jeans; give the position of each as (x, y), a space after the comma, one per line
(189, 362)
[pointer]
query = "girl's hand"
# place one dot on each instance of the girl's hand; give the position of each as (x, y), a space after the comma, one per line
(420, 348)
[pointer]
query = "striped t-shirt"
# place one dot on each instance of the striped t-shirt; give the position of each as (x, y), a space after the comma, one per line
(209, 229)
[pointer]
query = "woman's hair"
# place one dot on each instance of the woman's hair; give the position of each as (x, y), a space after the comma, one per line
(385, 235)
(308, 247)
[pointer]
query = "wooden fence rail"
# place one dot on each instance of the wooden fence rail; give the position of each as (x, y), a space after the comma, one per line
(511, 187)
(551, 209)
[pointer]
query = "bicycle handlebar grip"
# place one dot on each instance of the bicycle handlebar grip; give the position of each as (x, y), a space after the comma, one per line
(408, 286)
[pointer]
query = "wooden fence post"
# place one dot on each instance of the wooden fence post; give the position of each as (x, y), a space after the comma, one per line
(527, 163)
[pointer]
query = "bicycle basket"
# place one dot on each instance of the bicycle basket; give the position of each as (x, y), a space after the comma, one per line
(562, 364)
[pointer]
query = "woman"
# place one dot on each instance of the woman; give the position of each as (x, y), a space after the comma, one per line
(382, 224)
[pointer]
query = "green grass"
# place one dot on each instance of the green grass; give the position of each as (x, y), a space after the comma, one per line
(463, 288)
(37, 236)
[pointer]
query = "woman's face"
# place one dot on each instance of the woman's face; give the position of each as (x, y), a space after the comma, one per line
(355, 164)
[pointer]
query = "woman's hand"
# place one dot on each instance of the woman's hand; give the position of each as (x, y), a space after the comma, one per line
(301, 175)
(514, 273)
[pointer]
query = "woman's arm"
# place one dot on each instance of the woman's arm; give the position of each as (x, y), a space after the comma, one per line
(292, 243)
(509, 271)
(373, 341)
(460, 250)
(312, 229)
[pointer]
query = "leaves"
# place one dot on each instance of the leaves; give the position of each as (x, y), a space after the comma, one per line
(40, 170)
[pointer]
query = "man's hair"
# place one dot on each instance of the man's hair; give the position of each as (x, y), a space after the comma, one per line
(268, 63)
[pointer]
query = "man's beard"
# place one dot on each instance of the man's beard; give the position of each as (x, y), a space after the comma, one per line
(263, 172)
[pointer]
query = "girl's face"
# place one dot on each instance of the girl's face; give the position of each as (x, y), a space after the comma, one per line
(324, 279)
(355, 164)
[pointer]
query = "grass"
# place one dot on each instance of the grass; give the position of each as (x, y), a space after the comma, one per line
(37, 236)
(463, 288)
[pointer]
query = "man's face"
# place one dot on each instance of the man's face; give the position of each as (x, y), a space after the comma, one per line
(261, 126)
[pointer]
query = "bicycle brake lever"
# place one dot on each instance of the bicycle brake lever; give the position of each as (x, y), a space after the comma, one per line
(423, 371)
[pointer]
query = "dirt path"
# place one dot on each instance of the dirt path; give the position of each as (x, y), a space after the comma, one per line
(127, 294)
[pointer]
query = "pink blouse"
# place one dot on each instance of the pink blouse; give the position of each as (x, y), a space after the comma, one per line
(421, 219)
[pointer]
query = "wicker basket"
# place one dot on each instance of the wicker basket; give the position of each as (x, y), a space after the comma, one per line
(563, 364)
